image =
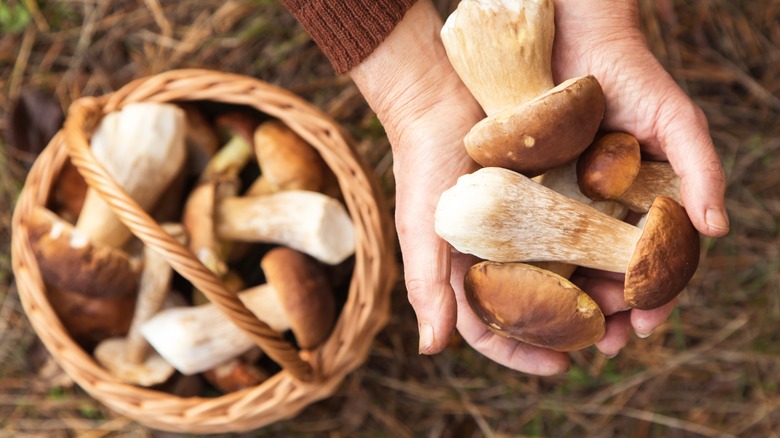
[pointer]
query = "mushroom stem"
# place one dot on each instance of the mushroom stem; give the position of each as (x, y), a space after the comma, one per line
(655, 178)
(500, 215)
(310, 222)
(142, 147)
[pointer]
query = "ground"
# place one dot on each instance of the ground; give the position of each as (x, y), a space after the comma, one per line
(712, 369)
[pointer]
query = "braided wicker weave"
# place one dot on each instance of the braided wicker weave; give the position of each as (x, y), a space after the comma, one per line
(302, 380)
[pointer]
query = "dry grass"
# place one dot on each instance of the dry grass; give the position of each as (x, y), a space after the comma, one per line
(712, 370)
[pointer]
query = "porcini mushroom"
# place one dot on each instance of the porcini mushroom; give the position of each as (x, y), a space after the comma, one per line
(128, 358)
(296, 296)
(533, 305)
(502, 51)
(612, 169)
(310, 222)
(501, 215)
(91, 287)
(142, 147)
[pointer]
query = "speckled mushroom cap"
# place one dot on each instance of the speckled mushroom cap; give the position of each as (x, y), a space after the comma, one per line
(533, 305)
(665, 258)
(71, 262)
(304, 293)
(543, 133)
(608, 167)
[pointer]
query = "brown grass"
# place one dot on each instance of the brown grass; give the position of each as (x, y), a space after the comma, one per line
(712, 370)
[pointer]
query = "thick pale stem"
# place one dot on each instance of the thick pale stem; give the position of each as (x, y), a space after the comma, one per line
(142, 147)
(655, 178)
(502, 49)
(229, 159)
(195, 339)
(500, 215)
(309, 222)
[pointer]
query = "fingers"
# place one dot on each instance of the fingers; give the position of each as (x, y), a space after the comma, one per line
(645, 321)
(617, 334)
(683, 134)
(512, 354)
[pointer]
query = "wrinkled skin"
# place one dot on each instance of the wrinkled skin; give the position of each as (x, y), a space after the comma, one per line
(426, 111)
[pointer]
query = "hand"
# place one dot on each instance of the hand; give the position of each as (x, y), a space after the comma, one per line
(426, 111)
(603, 38)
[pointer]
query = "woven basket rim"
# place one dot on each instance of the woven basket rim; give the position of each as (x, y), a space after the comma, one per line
(283, 396)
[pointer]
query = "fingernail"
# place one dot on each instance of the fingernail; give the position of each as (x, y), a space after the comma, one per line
(716, 218)
(611, 356)
(643, 335)
(426, 338)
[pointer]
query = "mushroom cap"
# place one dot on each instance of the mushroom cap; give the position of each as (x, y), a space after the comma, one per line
(543, 133)
(70, 261)
(304, 293)
(608, 167)
(665, 258)
(533, 305)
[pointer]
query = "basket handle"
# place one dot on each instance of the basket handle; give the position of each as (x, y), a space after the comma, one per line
(83, 115)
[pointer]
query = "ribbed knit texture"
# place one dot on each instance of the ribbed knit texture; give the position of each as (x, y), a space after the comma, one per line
(348, 31)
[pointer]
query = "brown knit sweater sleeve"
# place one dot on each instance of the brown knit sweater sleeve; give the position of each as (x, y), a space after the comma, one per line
(348, 31)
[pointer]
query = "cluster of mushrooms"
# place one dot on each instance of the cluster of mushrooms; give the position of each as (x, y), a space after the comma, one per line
(553, 192)
(253, 201)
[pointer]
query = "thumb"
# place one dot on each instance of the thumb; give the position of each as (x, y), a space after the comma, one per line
(683, 134)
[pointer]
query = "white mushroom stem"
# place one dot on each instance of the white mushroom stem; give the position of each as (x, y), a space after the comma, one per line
(129, 358)
(502, 49)
(500, 215)
(142, 147)
(196, 339)
(309, 222)
(655, 178)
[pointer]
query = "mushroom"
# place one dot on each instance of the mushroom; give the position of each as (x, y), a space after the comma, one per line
(296, 296)
(501, 215)
(91, 287)
(142, 147)
(128, 358)
(502, 51)
(612, 169)
(288, 162)
(310, 222)
(533, 305)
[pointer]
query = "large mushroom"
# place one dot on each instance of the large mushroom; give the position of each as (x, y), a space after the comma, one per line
(533, 305)
(500, 215)
(296, 296)
(612, 169)
(502, 50)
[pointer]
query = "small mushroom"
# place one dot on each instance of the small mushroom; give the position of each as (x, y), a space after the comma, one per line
(288, 162)
(297, 297)
(128, 358)
(533, 305)
(612, 169)
(142, 147)
(91, 287)
(502, 51)
(310, 222)
(500, 215)
(200, 137)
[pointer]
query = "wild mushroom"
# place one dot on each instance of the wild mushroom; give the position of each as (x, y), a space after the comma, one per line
(142, 147)
(310, 222)
(200, 137)
(288, 162)
(500, 215)
(612, 169)
(128, 358)
(502, 51)
(91, 287)
(296, 296)
(533, 305)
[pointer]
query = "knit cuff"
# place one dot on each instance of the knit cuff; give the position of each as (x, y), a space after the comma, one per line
(348, 31)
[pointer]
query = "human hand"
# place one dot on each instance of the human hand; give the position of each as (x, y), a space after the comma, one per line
(603, 38)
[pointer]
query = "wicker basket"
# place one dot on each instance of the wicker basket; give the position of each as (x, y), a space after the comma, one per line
(303, 379)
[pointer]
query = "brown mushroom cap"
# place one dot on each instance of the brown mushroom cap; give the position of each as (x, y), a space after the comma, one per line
(304, 293)
(70, 261)
(533, 305)
(665, 258)
(608, 167)
(543, 133)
